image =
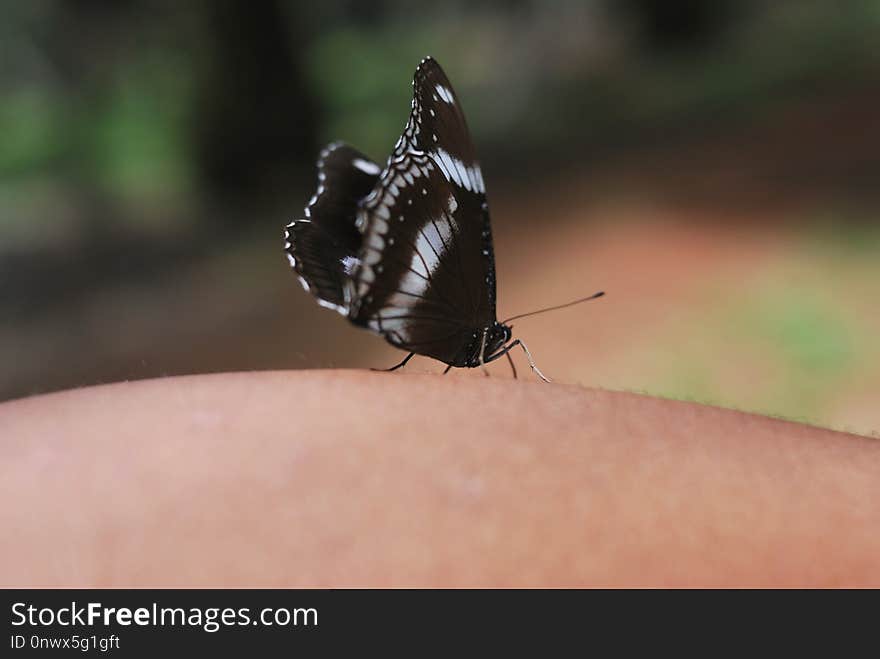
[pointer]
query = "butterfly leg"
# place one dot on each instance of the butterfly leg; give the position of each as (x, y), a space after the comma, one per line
(396, 366)
(482, 352)
(510, 361)
(506, 349)
(448, 368)
(531, 361)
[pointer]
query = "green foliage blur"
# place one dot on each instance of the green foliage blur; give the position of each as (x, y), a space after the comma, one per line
(112, 95)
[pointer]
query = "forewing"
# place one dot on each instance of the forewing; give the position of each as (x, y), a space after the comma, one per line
(426, 275)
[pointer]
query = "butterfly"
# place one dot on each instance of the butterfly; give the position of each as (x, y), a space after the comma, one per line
(405, 250)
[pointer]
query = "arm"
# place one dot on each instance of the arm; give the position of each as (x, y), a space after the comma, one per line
(347, 478)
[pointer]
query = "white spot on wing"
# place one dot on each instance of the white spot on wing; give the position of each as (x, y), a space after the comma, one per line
(329, 305)
(366, 167)
(445, 94)
(349, 263)
(463, 177)
(481, 187)
(470, 178)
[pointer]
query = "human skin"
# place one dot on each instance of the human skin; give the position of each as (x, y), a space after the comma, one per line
(350, 478)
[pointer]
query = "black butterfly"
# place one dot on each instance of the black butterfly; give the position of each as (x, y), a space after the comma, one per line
(406, 251)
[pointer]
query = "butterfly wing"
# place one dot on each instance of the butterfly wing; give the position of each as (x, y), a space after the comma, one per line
(323, 247)
(425, 277)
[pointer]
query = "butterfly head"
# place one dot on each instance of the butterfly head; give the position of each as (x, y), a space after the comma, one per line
(497, 336)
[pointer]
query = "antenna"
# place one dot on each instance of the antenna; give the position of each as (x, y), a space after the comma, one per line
(559, 306)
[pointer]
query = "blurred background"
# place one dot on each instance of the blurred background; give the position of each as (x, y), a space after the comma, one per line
(712, 165)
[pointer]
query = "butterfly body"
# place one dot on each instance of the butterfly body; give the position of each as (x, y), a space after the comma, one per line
(405, 250)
